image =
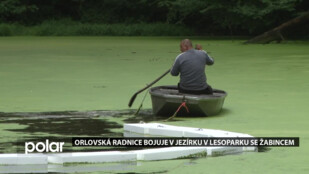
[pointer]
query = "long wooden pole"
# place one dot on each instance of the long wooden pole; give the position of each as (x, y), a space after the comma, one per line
(149, 85)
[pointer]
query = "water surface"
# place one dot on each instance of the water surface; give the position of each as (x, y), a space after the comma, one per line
(267, 89)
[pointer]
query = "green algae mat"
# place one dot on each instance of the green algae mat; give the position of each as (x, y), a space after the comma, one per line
(91, 79)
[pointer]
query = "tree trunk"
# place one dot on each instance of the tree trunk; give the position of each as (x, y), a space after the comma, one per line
(275, 34)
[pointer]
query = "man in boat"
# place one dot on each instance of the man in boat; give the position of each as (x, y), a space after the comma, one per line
(191, 66)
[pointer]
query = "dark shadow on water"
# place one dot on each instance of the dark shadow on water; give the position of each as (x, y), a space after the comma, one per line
(65, 126)
(62, 126)
(222, 113)
(96, 113)
(88, 123)
(144, 115)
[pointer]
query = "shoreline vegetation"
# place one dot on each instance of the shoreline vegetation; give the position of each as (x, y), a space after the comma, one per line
(275, 20)
(71, 28)
(74, 28)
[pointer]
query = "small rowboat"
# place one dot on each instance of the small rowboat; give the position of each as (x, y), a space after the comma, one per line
(166, 100)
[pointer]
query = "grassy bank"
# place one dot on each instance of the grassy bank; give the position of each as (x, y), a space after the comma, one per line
(69, 28)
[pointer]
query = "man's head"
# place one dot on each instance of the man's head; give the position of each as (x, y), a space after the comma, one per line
(185, 45)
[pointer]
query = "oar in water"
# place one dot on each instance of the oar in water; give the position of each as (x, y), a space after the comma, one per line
(155, 81)
(141, 105)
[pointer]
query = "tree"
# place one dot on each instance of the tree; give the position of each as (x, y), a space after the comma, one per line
(276, 33)
(12, 10)
(235, 16)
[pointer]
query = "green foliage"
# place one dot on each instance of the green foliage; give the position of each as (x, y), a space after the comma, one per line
(15, 9)
(220, 17)
(69, 28)
(5, 30)
(244, 15)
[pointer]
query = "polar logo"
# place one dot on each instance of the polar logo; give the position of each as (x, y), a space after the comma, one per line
(43, 147)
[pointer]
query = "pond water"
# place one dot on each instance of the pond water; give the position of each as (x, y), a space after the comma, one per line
(59, 87)
(18, 128)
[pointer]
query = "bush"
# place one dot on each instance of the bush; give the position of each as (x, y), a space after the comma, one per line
(5, 30)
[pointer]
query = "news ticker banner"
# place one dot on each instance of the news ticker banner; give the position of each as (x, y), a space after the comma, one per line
(169, 142)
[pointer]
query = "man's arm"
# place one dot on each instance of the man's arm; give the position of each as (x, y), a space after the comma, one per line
(175, 68)
(209, 60)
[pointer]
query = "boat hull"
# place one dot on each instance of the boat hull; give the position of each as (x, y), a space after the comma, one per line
(167, 99)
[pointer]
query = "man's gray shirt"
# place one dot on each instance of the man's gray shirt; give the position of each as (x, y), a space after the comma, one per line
(191, 66)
